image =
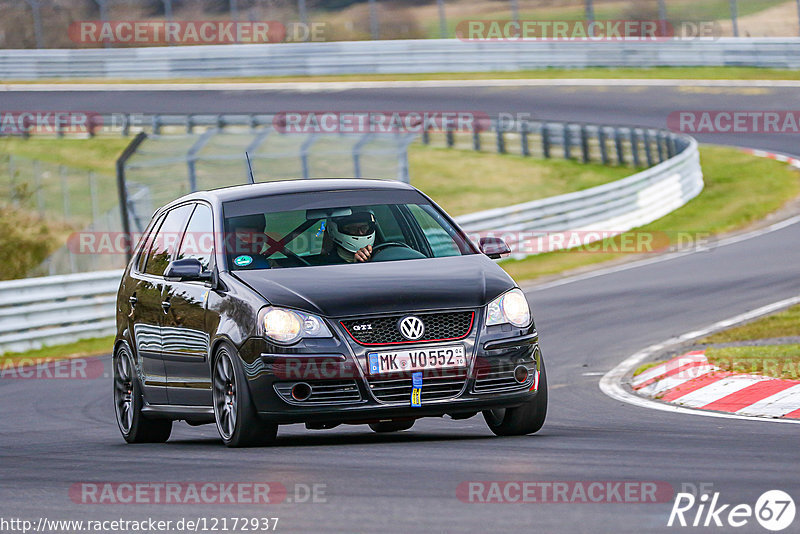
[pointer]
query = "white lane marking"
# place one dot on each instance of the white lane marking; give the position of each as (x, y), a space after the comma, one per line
(611, 383)
(775, 405)
(594, 373)
(389, 84)
(664, 368)
(671, 382)
(664, 257)
(717, 390)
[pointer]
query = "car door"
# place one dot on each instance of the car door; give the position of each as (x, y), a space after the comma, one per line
(149, 309)
(145, 324)
(184, 332)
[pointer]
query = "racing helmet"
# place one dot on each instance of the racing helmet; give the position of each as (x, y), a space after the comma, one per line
(353, 232)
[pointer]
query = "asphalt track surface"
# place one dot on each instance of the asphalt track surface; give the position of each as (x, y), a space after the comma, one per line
(55, 433)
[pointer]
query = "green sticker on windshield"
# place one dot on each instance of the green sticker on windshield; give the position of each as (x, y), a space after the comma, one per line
(242, 261)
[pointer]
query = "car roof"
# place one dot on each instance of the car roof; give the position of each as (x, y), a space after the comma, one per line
(283, 187)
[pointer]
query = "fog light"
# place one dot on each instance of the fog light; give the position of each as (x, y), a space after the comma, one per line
(301, 391)
(521, 374)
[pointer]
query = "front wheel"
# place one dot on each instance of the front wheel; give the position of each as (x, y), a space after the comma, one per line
(522, 420)
(237, 421)
(133, 425)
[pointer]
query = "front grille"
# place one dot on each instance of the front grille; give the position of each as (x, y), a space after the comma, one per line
(322, 391)
(436, 385)
(500, 379)
(385, 330)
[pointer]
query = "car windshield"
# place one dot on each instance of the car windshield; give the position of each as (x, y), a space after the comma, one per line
(337, 234)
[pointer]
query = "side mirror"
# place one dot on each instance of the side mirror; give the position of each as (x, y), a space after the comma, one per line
(494, 247)
(186, 270)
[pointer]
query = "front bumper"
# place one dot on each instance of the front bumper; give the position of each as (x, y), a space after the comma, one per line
(346, 394)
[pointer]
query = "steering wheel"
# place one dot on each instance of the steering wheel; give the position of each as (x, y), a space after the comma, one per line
(383, 246)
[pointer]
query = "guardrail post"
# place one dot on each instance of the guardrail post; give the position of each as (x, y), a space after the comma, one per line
(476, 137)
(567, 141)
(637, 159)
(672, 149)
(501, 141)
(189, 123)
(156, 124)
(526, 150)
(546, 140)
(618, 146)
(450, 138)
(126, 125)
(660, 144)
(584, 144)
(602, 139)
(426, 135)
(648, 149)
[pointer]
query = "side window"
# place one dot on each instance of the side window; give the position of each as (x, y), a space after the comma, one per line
(145, 248)
(166, 240)
(441, 242)
(198, 241)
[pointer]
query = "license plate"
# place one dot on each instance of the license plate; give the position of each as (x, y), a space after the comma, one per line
(441, 357)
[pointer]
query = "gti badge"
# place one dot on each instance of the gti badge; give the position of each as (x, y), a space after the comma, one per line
(412, 327)
(362, 327)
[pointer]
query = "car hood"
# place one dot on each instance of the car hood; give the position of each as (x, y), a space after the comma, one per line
(382, 287)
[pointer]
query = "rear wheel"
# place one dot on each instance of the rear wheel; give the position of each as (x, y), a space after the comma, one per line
(391, 426)
(236, 417)
(522, 420)
(134, 426)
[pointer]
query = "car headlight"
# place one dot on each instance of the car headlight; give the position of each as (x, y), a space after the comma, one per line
(289, 326)
(510, 307)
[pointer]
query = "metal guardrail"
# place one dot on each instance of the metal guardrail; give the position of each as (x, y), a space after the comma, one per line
(614, 207)
(57, 309)
(392, 57)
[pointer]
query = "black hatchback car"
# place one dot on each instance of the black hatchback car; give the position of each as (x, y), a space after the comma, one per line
(320, 302)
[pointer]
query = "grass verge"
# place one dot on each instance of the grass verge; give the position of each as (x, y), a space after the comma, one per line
(97, 154)
(79, 349)
(740, 189)
(457, 179)
(779, 361)
(653, 73)
(782, 324)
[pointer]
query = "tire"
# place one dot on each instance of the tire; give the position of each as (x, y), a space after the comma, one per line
(522, 420)
(237, 421)
(391, 426)
(128, 402)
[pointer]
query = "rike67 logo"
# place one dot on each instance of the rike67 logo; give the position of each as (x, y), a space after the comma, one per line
(774, 510)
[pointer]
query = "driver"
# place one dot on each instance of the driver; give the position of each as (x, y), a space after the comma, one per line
(249, 239)
(352, 236)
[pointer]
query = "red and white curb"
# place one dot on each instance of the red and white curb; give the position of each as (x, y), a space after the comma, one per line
(794, 162)
(690, 380)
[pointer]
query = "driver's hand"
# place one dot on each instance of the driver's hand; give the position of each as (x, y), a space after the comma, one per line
(364, 254)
